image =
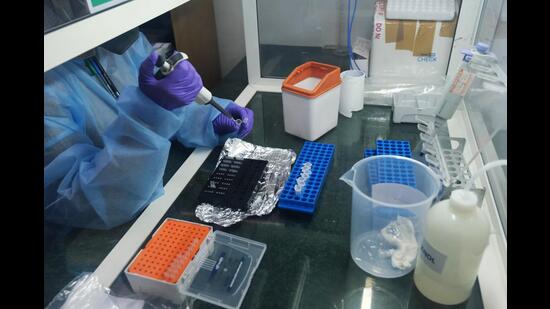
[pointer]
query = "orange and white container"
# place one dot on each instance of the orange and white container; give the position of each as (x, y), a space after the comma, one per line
(311, 97)
(154, 270)
(187, 259)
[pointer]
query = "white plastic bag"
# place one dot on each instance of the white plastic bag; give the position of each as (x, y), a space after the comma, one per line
(85, 291)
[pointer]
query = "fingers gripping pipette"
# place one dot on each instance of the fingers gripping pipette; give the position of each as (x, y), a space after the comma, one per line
(167, 65)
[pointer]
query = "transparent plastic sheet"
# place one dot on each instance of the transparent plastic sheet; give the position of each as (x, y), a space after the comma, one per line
(86, 292)
(265, 195)
(57, 13)
(486, 104)
(380, 91)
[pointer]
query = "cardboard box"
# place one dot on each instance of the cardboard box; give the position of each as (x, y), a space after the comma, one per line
(408, 48)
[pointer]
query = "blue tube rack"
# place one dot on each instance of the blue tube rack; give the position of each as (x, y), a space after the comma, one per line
(391, 171)
(370, 152)
(391, 147)
(320, 156)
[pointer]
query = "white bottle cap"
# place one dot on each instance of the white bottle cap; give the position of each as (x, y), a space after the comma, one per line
(463, 200)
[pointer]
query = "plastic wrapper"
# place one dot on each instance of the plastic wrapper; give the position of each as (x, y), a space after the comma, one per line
(380, 91)
(400, 234)
(265, 195)
(86, 292)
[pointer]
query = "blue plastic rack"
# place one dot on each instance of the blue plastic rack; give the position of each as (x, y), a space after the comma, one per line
(391, 147)
(370, 152)
(392, 171)
(320, 156)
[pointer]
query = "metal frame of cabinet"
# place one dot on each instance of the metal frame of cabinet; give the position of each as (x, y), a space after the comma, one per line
(99, 28)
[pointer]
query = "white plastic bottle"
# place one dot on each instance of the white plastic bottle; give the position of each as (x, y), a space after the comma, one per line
(456, 233)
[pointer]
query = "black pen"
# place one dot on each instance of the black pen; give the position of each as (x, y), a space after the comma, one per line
(106, 77)
(95, 71)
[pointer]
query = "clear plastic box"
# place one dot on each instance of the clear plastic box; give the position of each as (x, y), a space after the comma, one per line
(229, 284)
(219, 273)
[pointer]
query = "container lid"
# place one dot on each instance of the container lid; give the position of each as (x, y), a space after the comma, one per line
(482, 47)
(325, 76)
(463, 200)
(226, 272)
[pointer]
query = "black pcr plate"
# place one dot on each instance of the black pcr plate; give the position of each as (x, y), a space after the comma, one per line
(232, 183)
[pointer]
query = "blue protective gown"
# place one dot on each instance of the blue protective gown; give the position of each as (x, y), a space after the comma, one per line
(104, 158)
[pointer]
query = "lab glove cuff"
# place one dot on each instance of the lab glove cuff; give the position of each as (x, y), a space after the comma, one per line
(197, 129)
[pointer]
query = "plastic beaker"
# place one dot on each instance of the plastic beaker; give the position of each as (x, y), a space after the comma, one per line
(352, 92)
(391, 195)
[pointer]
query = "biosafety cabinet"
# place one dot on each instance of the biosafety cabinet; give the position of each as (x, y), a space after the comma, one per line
(407, 50)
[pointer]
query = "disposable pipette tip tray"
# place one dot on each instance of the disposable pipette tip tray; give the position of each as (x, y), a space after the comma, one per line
(172, 247)
(320, 157)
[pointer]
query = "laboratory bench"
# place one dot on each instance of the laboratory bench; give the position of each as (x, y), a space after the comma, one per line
(307, 263)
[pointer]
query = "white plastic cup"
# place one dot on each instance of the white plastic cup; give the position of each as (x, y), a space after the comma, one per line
(352, 92)
(384, 188)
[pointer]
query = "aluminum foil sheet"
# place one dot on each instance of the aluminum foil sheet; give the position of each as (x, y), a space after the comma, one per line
(265, 195)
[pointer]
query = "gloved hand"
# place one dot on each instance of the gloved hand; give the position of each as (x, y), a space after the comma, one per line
(177, 89)
(223, 125)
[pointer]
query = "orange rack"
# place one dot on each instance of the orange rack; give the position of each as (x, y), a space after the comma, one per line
(170, 250)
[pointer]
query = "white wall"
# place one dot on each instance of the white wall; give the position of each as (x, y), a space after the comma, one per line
(229, 28)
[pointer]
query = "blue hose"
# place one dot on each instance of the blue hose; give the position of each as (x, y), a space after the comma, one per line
(350, 27)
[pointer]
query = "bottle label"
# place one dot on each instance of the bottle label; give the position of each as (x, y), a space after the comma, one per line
(433, 258)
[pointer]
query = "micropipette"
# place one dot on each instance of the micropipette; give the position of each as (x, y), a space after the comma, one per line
(167, 65)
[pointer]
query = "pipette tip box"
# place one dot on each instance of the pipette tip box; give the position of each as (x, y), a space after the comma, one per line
(147, 273)
(183, 258)
(320, 155)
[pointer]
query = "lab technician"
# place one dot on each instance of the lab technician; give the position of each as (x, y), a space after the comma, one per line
(104, 157)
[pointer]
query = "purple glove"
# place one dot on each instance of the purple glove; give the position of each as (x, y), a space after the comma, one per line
(177, 89)
(223, 125)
